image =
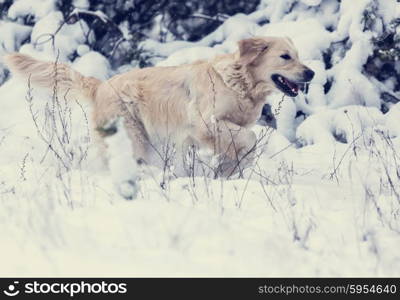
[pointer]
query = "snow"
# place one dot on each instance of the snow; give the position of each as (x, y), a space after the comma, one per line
(93, 64)
(285, 111)
(38, 9)
(82, 4)
(392, 121)
(68, 38)
(12, 35)
(311, 2)
(321, 200)
(310, 44)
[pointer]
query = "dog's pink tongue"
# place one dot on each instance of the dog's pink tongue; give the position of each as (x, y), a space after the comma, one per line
(292, 85)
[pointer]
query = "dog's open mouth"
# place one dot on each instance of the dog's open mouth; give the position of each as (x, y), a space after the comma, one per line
(288, 87)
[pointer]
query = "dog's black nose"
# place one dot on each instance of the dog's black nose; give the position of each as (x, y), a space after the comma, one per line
(308, 75)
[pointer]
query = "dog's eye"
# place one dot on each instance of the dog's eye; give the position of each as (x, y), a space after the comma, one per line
(286, 56)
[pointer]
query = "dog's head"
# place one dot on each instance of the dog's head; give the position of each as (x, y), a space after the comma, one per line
(275, 61)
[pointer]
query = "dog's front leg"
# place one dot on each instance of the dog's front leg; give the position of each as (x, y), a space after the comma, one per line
(234, 144)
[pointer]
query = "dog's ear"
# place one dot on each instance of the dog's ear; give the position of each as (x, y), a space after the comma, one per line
(250, 49)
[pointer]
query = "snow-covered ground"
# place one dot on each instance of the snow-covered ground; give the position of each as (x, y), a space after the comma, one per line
(323, 198)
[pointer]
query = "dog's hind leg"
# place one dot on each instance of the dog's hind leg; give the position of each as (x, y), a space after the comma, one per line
(139, 139)
(106, 126)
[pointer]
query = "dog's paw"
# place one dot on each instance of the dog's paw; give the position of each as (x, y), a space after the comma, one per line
(128, 189)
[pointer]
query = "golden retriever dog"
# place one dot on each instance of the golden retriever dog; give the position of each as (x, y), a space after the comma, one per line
(211, 104)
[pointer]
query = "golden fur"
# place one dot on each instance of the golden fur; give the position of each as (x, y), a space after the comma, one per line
(212, 104)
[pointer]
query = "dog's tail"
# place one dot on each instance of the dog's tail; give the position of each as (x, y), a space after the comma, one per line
(51, 75)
